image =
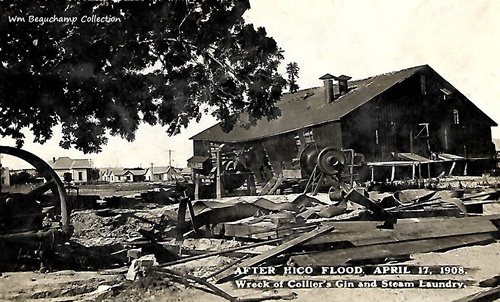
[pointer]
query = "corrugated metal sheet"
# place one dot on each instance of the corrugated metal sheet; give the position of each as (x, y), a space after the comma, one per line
(308, 108)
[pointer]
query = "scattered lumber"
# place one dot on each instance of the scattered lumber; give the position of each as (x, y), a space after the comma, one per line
(219, 292)
(379, 212)
(407, 238)
(270, 184)
(201, 281)
(362, 233)
(210, 254)
(433, 234)
(227, 275)
(382, 251)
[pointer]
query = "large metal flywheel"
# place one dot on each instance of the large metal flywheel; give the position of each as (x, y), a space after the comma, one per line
(19, 208)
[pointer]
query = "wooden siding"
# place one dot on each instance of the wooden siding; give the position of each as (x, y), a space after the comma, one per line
(281, 150)
(328, 135)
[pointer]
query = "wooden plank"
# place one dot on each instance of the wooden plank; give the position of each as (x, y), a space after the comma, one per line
(482, 296)
(405, 231)
(226, 276)
(210, 254)
(381, 251)
(278, 183)
(269, 185)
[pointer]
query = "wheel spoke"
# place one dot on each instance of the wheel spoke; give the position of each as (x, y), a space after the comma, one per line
(43, 188)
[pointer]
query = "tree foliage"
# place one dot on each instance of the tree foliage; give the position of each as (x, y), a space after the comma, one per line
(163, 62)
(292, 69)
(22, 177)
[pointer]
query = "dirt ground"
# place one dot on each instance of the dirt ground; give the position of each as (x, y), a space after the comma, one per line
(480, 263)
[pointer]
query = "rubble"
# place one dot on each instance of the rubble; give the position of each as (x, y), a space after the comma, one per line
(141, 239)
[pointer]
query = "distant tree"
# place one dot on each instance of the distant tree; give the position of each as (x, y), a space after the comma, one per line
(161, 62)
(292, 69)
(94, 174)
(22, 177)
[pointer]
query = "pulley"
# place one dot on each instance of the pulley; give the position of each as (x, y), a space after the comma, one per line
(234, 176)
(308, 158)
(331, 161)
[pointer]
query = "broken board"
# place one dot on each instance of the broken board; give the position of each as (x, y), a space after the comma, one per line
(365, 233)
(381, 251)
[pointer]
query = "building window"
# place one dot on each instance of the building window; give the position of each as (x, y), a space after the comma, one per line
(422, 84)
(456, 118)
(80, 176)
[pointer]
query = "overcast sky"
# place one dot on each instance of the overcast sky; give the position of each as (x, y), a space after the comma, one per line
(459, 39)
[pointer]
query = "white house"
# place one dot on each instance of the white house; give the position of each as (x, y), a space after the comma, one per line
(112, 175)
(168, 173)
(77, 169)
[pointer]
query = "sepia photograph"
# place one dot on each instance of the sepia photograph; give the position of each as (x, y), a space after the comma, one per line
(250, 150)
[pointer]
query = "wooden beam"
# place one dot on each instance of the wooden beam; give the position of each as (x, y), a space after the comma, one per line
(197, 257)
(365, 233)
(385, 250)
(482, 296)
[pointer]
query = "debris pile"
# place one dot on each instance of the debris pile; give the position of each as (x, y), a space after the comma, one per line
(205, 243)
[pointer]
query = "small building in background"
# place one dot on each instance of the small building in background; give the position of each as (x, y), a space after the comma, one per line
(112, 175)
(166, 173)
(135, 174)
(78, 170)
(4, 179)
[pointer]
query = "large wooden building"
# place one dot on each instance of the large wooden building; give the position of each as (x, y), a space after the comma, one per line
(411, 111)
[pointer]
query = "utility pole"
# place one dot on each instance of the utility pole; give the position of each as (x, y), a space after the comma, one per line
(170, 157)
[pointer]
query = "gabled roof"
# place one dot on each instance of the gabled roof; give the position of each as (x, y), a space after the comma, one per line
(62, 163)
(164, 170)
(160, 169)
(66, 163)
(115, 171)
(81, 164)
(136, 171)
(307, 108)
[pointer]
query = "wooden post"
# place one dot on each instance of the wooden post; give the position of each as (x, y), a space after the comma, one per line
(393, 172)
(181, 220)
(251, 184)
(452, 167)
(411, 141)
(219, 184)
(197, 184)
